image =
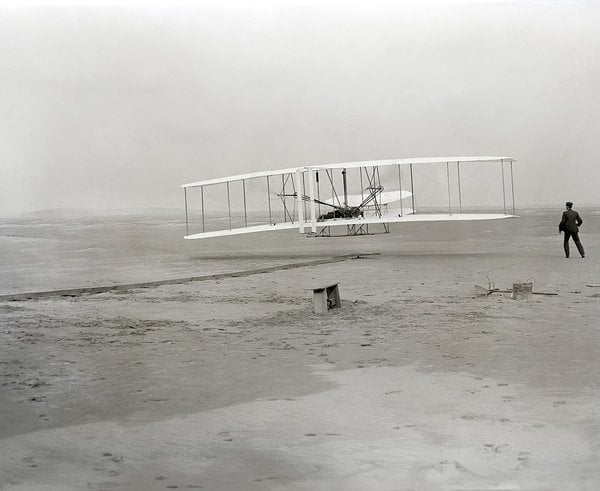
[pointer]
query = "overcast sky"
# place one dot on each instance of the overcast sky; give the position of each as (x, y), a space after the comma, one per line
(116, 105)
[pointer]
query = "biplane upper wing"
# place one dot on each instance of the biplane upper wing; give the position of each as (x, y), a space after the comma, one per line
(243, 177)
(352, 194)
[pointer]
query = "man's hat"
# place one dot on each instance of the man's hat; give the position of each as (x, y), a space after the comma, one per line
(569, 204)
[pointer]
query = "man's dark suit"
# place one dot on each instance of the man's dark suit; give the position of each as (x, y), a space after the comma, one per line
(570, 226)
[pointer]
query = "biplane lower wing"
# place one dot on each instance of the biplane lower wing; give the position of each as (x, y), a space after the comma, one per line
(243, 230)
(314, 197)
(430, 217)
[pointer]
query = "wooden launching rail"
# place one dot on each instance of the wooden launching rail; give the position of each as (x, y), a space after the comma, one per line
(75, 292)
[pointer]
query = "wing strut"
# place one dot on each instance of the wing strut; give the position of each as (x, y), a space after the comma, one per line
(448, 179)
(400, 188)
(245, 210)
(503, 186)
(269, 200)
(412, 189)
(298, 178)
(228, 205)
(345, 188)
(311, 194)
(286, 212)
(187, 225)
(202, 199)
(512, 187)
(459, 191)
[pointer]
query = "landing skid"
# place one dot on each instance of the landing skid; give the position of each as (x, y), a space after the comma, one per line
(351, 231)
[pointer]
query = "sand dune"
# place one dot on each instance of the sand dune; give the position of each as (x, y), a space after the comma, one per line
(417, 382)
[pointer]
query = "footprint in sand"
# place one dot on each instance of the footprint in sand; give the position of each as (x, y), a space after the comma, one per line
(112, 457)
(523, 458)
(493, 448)
(446, 469)
(225, 434)
(30, 461)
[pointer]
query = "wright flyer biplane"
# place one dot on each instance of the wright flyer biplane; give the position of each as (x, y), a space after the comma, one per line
(354, 198)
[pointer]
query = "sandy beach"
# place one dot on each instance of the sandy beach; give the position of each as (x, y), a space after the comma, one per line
(417, 382)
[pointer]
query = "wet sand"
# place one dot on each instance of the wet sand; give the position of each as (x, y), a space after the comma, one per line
(417, 382)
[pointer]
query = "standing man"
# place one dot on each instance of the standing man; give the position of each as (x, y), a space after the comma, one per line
(570, 226)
